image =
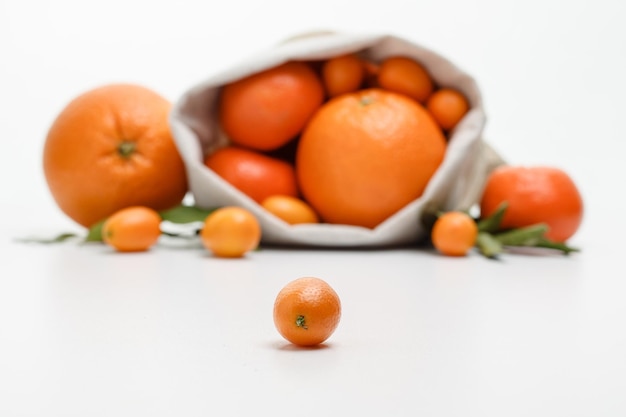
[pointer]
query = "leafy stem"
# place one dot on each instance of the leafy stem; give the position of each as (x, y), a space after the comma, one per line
(492, 240)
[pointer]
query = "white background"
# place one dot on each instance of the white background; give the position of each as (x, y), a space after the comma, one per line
(85, 332)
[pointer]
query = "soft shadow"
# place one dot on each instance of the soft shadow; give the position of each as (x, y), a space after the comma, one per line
(290, 347)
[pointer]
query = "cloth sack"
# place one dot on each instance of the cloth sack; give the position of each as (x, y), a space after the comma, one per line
(457, 184)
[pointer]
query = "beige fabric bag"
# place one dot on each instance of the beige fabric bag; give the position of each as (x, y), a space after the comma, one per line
(456, 185)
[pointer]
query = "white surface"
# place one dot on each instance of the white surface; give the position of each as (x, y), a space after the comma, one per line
(86, 332)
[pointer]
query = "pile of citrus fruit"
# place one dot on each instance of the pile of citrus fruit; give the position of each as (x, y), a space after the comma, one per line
(343, 140)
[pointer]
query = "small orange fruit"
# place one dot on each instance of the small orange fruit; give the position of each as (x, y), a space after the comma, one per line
(290, 209)
(132, 229)
(111, 148)
(307, 311)
(407, 76)
(537, 194)
(448, 106)
(367, 154)
(265, 110)
(343, 74)
(454, 233)
(230, 232)
(254, 173)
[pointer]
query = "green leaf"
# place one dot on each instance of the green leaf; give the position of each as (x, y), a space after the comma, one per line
(523, 236)
(56, 239)
(492, 240)
(563, 247)
(185, 214)
(94, 234)
(492, 223)
(488, 245)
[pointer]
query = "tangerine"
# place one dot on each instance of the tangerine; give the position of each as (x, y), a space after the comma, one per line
(407, 76)
(448, 106)
(535, 194)
(454, 233)
(111, 148)
(343, 74)
(307, 311)
(230, 232)
(367, 154)
(253, 173)
(132, 229)
(266, 110)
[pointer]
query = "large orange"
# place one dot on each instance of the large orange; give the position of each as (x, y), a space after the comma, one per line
(265, 110)
(111, 148)
(365, 155)
(535, 194)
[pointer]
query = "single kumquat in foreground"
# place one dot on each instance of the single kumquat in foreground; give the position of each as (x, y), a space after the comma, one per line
(132, 229)
(454, 233)
(230, 232)
(307, 311)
